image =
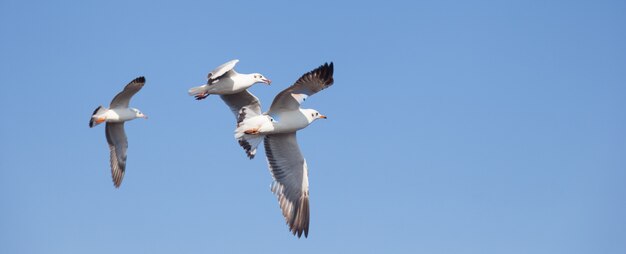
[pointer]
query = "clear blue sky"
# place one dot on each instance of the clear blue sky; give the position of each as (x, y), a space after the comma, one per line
(453, 127)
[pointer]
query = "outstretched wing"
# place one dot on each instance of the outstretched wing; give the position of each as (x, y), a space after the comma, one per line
(222, 69)
(242, 99)
(307, 85)
(122, 99)
(291, 181)
(116, 137)
(244, 105)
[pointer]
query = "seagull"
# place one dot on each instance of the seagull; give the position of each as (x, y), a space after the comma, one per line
(224, 80)
(277, 128)
(115, 116)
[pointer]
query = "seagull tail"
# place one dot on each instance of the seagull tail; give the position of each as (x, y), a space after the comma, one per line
(200, 92)
(99, 110)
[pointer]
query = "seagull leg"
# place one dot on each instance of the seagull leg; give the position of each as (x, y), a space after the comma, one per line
(254, 131)
(202, 96)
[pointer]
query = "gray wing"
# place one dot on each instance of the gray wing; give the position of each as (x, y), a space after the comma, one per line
(122, 99)
(116, 137)
(242, 99)
(307, 85)
(222, 69)
(291, 181)
(244, 105)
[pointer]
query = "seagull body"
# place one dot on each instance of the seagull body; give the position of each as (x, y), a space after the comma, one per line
(227, 84)
(225, 80)
(291, 121)
(277, 129)
(115, 116)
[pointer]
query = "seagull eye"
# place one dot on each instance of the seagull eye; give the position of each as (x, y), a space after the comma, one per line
(317, 113)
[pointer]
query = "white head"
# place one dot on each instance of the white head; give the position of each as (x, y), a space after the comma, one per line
(138, 113)
(258, 78)
(312, 115)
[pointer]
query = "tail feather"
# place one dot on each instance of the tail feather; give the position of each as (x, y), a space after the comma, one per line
(99, 110)
(200, 92)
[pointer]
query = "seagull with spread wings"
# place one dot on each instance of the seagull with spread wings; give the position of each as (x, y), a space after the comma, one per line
(278, 128)
(115, 116)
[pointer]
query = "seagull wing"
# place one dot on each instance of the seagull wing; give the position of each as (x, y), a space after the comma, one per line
(222, 69)
(291, 182)
(116, 137)
(307, 85)
(242, 99)
(122, 99)
(244, 105)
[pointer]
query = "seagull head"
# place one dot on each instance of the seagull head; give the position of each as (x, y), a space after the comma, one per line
(259, 78)
(313, 115)
(138, 114)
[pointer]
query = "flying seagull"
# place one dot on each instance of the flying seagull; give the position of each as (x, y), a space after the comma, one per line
(278, 128)
(115, 116)
(226, 82)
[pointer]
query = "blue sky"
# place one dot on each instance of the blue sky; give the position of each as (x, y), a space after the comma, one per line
(454, 126)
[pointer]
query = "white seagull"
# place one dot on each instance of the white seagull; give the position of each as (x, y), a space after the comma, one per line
(277, 128)
(115, 116)
(224, 80)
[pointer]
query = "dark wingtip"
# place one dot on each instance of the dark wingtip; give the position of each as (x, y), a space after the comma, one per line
(246, 147)
(117, 181)
(325, 73)
(330, 72)
(300, 221)
(332, 69)
(91, 121)
(96, 110)
(140, 79)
